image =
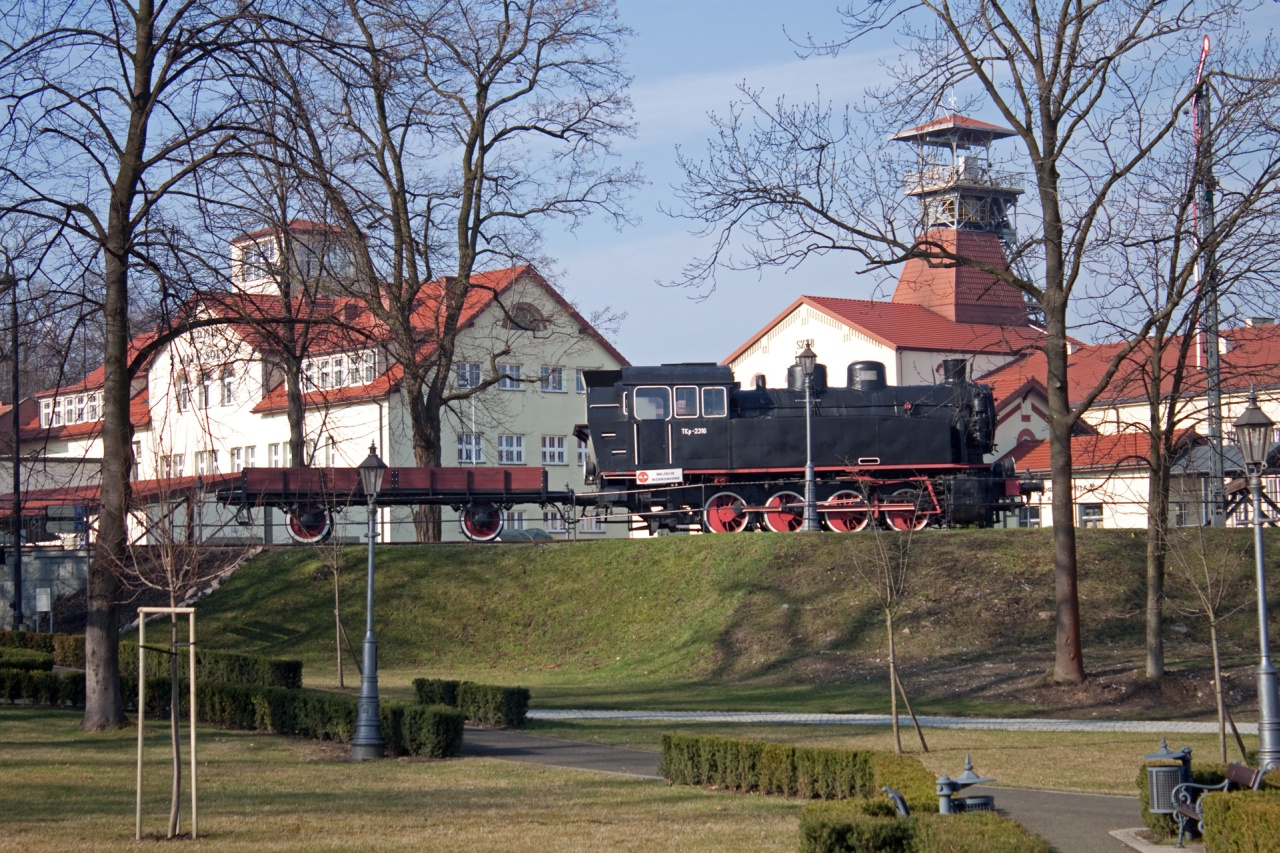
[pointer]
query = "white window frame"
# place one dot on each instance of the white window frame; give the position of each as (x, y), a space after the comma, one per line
(468, 373)
(513, 519)
(228, 389)
(46, 413)
(137, 460)
(274, 456)
(675, 408)
(640, 388)
(509, 378)
(93, 407)
(553, 452)
(470, 448)
(591, 524)
(553, 379)
(80, 408)
(370, 361)
(582, 453)
(511, 450)
(580, 383)
(237, 459)
(724, 392)
(553, 522)
(250, 455)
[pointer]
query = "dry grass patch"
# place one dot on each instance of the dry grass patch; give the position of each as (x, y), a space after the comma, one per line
(62, 790)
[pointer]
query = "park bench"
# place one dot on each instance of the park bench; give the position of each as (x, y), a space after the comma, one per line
(1188, 798)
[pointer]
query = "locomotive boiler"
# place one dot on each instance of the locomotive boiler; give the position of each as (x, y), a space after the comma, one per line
(684, 446)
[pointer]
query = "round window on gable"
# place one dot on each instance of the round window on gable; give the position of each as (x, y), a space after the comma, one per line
(526, 318)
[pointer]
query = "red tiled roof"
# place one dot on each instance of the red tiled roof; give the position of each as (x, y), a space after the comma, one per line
(963, 294)
(30, 429)
(1252, 360)
(277, 399)
(261, 320)
(912, 327)
(954, 121)
(1108, 452)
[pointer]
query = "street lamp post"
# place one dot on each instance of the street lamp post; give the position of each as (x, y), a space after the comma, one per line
(1253, 433)
(367, 743)
(807, 359)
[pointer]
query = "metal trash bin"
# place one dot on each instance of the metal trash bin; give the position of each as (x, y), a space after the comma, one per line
(1162, 781)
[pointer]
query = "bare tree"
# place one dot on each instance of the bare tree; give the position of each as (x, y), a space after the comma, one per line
(1090, 91)
(461, 128)
(110, 109)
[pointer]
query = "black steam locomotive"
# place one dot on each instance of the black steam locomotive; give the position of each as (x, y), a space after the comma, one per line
(683, 446)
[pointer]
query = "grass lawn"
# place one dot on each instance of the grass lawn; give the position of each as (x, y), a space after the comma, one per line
(63, 790)
(1104, 763)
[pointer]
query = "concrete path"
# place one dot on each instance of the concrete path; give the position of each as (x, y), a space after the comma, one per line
(995, 723)
(1072, 823)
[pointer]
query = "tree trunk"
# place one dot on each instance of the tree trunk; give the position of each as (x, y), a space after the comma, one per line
(905, 701)
(337, 630)
(175, 741)
(893, 682)
(1157, 548)
(1217, 690)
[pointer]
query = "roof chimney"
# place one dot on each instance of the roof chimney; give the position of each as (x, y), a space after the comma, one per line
(1260, 321)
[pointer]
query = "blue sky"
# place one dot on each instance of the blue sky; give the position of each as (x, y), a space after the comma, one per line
(686, 59)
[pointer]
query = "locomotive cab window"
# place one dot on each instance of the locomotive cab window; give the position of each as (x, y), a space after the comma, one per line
(686, 401)
(714, 403)
(653, 403)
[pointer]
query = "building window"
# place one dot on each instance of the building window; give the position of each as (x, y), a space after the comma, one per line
(553, 379)
(46, 413)
(686, 401)
(330, 451)
(310, 452)
(582, 453)
(250, 456)
(324, 373)
(68, 411)
(80, 406)
(273, 456)
(206, 462)
(511, 450)
(714, 403)
(228, 395)
(370, 360)
(172, 466)
(137, 460)
(509, 377)
(308, 375)
(470, 450)
(514, 520)
(581, 384)
(1090, 515)
(653, 403)
(591, 524)
(237, 459)
(526, 318)
(553, 522)
(1029, 516)
(93, 407)
(206, 387)
(553, 450)
(468, 375)
(353, 371)
(339, 371)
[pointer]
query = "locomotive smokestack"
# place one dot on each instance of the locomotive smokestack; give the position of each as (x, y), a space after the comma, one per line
(955, 371)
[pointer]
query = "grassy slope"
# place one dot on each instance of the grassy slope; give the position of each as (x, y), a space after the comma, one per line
(752, 621)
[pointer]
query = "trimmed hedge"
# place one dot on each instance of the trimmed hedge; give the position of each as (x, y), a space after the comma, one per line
(41, 688)
(436, 691)
(773, 768)
(1202, 774)
(505, 707)
(27, 640)
(68, 650)
(28, 659)
(224, 667)
(871, 826)
(1242, 822)
(430, 730)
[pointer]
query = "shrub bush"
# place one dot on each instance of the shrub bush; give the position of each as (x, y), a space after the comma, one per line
(28, 659)
(773, 768)
(436, 691)
(68, 650)
(27, 640)
(493, 706)
(41, 687)
(1242, 822)
(871, 826)
(433, 730)
(223, 667)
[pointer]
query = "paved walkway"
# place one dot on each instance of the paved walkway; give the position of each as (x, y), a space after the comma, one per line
(995, 723)
(1072, 823)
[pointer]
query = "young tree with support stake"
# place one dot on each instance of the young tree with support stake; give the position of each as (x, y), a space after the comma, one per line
(1090, 91)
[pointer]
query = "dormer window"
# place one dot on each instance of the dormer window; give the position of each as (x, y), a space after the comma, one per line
(338, 371)
(525, 317)
(65, 411)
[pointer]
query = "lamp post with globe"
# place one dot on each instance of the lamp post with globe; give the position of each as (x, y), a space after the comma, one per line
(367, 743)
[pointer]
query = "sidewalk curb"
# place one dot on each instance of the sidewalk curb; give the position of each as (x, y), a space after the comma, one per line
(1130, 837)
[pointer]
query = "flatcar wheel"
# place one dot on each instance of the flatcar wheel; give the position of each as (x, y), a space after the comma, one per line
(726, 512)
(845, 512)
(481, 522)
(309, 525)
(907, 517)
(784, 512)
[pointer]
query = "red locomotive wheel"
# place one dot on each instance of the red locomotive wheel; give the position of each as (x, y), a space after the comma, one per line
(845, 512)
(481, 522)
(785, 513)
(309, 524)
(726, 513)
(905, 514)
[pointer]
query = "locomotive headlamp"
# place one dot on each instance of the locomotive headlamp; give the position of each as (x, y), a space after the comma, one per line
(1253, 433)
(807, 359)
(372, 470)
